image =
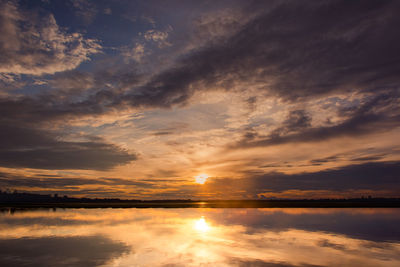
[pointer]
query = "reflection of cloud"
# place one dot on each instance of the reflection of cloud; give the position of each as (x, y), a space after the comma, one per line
(345, 222)
(243, 262)
(240, 237)
(59, 251)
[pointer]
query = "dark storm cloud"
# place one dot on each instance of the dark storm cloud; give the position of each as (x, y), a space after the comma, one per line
(378, 114)
(373, 175)
(60, 251)
(29, 147)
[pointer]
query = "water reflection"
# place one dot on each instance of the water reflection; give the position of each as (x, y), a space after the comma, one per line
(195, 237)
(201, 225)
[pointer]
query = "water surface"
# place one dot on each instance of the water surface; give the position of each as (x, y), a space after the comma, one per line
(200, 237)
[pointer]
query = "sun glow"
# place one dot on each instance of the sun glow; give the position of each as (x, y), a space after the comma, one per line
(201, 178)
(201, 225)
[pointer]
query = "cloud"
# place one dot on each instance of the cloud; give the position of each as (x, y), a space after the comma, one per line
(9, 180)
(86, 10)
(29, 147)
(107, 11)
(376, 114)
(35, 45)
(296, 121)
(292, 51)
(137, 52)
(159, 37)
(371, 175)
(71, 84)
(77, 185)
(284, 51)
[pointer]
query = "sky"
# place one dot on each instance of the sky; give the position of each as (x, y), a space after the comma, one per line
(258, 99)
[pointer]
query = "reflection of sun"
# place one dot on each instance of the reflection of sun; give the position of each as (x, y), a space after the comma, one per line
(201, 225)
(201, 178)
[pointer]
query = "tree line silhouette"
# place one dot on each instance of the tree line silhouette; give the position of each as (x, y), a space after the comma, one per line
(14, 197)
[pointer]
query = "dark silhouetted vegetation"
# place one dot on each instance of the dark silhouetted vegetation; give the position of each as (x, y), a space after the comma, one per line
(10, 198)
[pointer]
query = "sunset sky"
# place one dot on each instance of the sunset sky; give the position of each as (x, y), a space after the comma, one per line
(159, 99)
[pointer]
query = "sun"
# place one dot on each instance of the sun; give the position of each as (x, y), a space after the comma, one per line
(201, 178)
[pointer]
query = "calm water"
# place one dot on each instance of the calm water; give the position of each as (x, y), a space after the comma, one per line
(201, 237)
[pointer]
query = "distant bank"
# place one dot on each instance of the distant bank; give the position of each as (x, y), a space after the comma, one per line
(214, 204)
(26, 200)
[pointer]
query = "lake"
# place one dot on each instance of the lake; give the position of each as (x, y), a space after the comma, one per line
(200, 237)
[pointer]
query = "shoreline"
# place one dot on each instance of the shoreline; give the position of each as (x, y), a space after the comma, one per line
(211, 204)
